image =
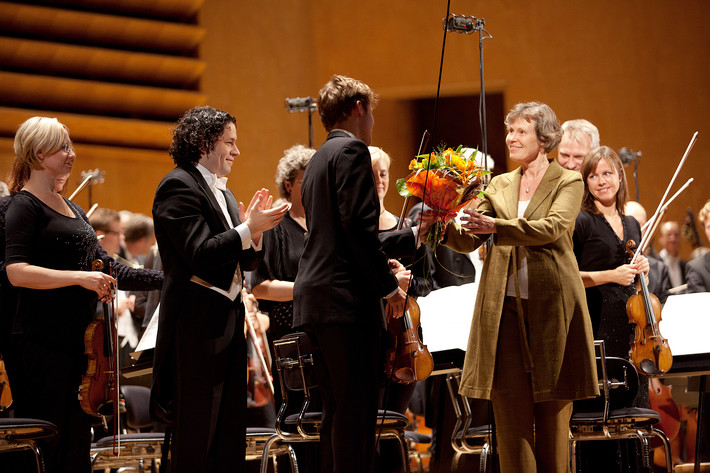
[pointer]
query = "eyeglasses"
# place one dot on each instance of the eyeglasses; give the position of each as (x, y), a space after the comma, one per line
(67, 147)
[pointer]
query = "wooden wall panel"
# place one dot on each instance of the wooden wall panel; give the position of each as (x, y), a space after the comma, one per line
(118, 75)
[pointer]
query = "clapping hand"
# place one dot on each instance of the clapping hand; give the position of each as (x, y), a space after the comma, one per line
(259, 216)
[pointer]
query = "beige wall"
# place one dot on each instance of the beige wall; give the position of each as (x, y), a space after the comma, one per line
(621, 65)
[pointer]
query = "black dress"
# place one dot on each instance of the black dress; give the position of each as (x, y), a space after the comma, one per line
(598, 248)
(283, 246)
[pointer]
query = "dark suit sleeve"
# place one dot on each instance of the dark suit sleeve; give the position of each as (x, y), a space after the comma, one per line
(398, 243)
(180, 212)
(358, 206)
(694, 275)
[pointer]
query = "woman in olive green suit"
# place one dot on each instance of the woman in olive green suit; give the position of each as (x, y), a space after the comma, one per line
(530, 349)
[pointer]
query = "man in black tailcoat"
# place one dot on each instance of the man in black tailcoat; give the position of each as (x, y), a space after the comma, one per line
(206, 241)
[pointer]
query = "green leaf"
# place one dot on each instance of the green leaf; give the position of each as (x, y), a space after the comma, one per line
(402, 187)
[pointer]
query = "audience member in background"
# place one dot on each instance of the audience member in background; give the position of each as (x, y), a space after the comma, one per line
(578, 138)
(669, 240)
(138, 237)
(658, 281)
(107, 224)
(697, 271)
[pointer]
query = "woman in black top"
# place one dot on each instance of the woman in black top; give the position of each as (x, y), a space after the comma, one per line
(601, 233)
(49, 248)
(272, 282)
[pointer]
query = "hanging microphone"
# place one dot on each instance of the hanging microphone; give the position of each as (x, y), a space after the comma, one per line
(300, 104)
(462, 24)
(628, 156)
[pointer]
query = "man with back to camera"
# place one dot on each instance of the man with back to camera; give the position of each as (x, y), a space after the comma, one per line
(579, 137)
(206, 240)
(343, 275)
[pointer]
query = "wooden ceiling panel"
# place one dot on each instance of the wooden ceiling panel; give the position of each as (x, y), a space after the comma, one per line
(165, 9)
(96, 129)
(46, 57)
(98, 29)
(82, 96)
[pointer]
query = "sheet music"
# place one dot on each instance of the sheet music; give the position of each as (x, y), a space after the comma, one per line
(685, 323)
(446, 316)
(150, 335)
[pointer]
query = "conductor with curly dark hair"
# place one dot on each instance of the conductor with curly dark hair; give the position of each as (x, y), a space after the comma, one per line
(206, 241)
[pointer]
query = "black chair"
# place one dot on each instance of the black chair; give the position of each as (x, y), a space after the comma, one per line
(473, 429)
(297, 365)
(610, 417)
(17, 434)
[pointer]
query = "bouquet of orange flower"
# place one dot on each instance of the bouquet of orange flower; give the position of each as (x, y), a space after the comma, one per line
(446, 180)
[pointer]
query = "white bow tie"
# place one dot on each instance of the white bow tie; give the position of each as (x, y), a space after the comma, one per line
(220, 183)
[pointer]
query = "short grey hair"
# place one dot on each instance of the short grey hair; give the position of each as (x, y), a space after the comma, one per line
(295, 159)
(576, 128)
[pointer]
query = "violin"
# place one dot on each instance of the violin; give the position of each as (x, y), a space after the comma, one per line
(260, 388)
(650, 352)
(5, 392)
(99, 391)
(408, 359)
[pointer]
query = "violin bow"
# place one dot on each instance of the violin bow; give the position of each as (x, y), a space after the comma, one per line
(90, 177)
(656, 215)
(653, 220)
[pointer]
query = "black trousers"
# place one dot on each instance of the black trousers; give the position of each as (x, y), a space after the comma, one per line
(209, 432)
(353, 364)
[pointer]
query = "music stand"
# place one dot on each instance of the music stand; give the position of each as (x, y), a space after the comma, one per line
(685, 324)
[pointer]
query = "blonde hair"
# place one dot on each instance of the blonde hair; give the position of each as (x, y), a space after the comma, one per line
(703, 214)
(37, 135)
(378, 153)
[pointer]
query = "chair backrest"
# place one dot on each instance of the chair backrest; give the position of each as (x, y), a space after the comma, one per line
(137, 406)
(618, 384)
(297, 368)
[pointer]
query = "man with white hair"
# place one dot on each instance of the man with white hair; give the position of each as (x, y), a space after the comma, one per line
(578, 138)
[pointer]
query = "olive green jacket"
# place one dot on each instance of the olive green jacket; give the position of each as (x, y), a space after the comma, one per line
(561, 352)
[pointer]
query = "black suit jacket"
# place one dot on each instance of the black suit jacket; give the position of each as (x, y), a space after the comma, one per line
(658, 281)
(697, 273)
(343, 273)
(195, 322)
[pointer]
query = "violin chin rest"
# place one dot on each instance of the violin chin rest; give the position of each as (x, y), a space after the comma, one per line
(405, 374)
(648, 367)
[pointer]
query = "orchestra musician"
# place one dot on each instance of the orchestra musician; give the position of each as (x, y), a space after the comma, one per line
(600, 235)
(344, 274)
(697, 271)
(49, 249)
(206, 239)
(530, 348)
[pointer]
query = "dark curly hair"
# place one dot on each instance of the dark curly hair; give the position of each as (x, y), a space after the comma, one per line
(197, 132)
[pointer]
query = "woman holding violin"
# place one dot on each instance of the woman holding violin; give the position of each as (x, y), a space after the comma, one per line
(530, 349)
(601, 234)
(50, 247)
